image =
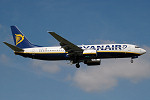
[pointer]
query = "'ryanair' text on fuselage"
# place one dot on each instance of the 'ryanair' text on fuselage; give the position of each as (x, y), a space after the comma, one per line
(104, 47)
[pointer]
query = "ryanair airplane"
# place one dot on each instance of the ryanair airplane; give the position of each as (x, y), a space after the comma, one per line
(88, 54)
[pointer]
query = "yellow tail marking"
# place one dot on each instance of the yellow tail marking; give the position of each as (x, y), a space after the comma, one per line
(19, 38)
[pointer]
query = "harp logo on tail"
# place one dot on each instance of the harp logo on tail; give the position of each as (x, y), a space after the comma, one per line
(19, 38)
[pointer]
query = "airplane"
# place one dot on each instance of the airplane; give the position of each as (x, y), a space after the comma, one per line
(88, 54)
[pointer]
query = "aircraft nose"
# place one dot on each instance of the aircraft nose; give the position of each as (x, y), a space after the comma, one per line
(143, 51)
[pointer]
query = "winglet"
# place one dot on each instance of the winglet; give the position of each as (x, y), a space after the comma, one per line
(13, 47)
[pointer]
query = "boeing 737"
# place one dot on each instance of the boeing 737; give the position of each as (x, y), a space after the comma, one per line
(88, 54)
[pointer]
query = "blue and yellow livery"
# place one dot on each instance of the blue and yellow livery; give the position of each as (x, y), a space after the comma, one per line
(88, 54)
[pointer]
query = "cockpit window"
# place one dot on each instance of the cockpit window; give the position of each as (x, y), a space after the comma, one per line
(137, 46)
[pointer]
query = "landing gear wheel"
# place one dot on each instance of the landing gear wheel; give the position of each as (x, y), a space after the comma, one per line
(77, 65)
(131, 60)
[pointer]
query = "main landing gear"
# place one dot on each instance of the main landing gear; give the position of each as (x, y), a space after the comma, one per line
(77, 65)
(75, 62)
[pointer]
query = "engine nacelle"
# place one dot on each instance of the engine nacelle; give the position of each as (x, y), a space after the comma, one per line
(92, 62)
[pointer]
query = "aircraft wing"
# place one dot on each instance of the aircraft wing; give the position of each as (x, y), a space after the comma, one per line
(72, 49)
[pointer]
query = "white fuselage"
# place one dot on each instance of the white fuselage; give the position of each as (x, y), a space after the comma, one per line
(127, 48)
(90, 51)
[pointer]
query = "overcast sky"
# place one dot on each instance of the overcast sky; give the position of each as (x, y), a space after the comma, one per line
(81, 22)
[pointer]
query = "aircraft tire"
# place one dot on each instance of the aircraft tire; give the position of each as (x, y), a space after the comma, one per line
(131, 60)
(78, 65)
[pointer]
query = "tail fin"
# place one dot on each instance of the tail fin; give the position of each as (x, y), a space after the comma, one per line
(19, 39)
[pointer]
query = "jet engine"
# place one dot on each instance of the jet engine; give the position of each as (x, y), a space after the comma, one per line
(92, 62)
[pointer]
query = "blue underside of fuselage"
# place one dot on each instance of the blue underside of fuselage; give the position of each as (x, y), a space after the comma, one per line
(64, 56)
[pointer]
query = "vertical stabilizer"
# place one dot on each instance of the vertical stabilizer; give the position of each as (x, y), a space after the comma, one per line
(19, 39)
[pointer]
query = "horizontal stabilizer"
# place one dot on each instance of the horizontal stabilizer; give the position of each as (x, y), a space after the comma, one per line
(13, 47)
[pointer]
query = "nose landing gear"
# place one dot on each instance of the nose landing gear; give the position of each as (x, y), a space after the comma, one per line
(134, 57)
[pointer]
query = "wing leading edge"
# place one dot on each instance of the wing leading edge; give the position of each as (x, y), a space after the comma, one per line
(72, 49)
